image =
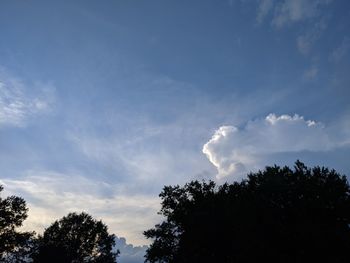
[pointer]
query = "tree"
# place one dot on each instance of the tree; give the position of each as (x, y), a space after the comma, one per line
(275, 215)
(76, 238)
(14, 245)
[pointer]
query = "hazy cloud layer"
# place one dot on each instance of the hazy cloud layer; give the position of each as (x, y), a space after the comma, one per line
(51, 195)
(233, 150)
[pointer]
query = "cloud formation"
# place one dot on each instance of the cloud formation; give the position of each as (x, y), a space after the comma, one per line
(16, 105)
(233, 150)
(128, 252)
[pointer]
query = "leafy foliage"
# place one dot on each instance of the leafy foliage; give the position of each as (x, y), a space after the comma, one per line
(275, 215)
(14, 245)
(76, 238)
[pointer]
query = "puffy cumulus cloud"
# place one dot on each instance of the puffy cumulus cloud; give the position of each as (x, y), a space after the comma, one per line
(128, 252)
(51, 195)
(17, 105)
(221, 143)
(234, 150)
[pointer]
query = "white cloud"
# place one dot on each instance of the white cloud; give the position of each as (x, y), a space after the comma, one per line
(17, 104)
(51, 195)
(233, 150)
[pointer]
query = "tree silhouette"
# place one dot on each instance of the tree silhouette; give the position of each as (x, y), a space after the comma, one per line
(275, 215)
(14, 245)
(76, 238)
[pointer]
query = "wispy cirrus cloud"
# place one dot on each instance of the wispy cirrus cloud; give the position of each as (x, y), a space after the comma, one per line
(264, 8)
(311, 73)
(18, 102)
(291, 11)
(234, 150)
(150, 154)
(311, 35)
(310, 13)
(341, 51)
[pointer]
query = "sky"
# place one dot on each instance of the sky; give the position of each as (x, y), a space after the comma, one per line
(102, 103)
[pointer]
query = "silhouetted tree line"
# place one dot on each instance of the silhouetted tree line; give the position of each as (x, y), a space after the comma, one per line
(275, 215)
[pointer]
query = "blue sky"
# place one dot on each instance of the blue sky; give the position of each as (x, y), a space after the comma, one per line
(104, 102)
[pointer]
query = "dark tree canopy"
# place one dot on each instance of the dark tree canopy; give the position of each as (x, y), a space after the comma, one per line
(14, 245)
(76, 238)
(275, 215)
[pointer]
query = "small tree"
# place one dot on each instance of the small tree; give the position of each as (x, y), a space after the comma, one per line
(76, 238)
(275, 215)
(14, 245)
